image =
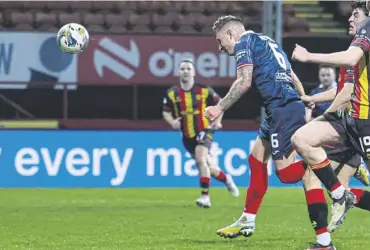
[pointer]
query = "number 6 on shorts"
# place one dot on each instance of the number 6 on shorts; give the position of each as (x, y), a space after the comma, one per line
(274, 141)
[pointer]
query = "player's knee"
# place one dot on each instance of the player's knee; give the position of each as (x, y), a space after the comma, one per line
(201, 161)
(299, 140)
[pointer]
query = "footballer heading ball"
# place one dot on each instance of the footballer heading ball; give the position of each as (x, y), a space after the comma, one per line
(73, 38)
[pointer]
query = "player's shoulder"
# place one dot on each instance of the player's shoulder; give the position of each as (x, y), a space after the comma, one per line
(364, 27)
(172, 89)
(201, 86)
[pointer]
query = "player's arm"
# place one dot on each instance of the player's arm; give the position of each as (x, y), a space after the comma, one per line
(350, 57)
(298, 84)
(343, 98)
(239, 87)
(214, 99)
(167, 108)
(325, 96)
(341, 101)
(308, 116)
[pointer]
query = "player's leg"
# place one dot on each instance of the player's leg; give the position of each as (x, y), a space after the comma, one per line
(219, 175)
(288, 171)
(307, 141)
(190, 145)
(258, 159)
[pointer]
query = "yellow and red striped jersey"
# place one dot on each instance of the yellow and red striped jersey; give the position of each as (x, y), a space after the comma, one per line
(190, 106)
(360, 97)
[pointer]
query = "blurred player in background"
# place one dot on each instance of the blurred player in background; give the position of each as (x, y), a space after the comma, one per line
(183, 108)
(327, 81)
(261, 61)
(341, 124)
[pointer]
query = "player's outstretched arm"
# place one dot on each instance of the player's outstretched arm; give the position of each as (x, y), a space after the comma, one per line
(343, 98)
(298, 84)
(349, 57)
(239, 87)
(325, 96)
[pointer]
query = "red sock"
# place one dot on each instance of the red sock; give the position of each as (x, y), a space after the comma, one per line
(257, 187)
(204, 185)
(293, 173)
(358, 193)
(318, 213)
(221, 177)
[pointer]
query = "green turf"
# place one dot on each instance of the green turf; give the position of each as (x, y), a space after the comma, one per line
(158, 219)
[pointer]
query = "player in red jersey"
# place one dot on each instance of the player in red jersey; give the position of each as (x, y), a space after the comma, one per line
(183, 108)
(351, 125)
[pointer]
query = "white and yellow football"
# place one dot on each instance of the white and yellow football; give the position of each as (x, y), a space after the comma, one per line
(73, 38)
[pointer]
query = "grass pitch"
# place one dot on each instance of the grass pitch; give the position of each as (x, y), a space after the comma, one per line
(159, 219)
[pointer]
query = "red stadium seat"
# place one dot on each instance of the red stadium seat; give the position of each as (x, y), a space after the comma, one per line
(186, 20)
(80, 5)
(142, 29)
(186, 30)
(103, 7)
(159, 20)
(24, 27)
(164, 29)
(136, 19)
(117, 19)
(47, 27)
(8, 5)
(93, 19)
(42, 18)
(65, 18)
(57, 6)
(21, 18)
(31, 5)
(125, 5)
(117, 29)
(95, 28)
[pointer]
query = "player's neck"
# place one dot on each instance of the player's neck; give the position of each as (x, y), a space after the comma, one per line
(187, 86)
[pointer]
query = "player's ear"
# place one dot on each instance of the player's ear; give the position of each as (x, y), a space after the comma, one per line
(229, 33)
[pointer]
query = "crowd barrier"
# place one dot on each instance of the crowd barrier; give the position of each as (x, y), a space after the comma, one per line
(127, 159)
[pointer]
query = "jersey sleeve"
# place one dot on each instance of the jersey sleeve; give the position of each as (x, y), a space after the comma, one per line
(349, 77)
(167, 104)
(243, 52)
(362, 37)
(213, 98)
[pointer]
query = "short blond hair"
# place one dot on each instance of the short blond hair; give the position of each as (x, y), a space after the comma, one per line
(223, 20)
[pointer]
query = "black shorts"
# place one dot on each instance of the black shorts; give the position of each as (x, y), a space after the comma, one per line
(356, 132)
(343, 154)
(204, 138)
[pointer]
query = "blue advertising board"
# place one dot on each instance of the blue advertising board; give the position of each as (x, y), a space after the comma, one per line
(116, 159)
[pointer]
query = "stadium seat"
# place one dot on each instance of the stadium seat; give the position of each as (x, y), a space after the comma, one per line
(21, 18)
(117, 19)
(42, 19)
(141, 29)
(136, 19)
(164, 29)
(47, 27)
(186, 20)
(93, 19)
(103, 7)
(80, 5)
(57, 6)
(95, 28)
(69, 18)
(24, 27)
(12, 5)
(34, 5)
(117, 29)
(125, 5)
(158, 20)
(186, 30)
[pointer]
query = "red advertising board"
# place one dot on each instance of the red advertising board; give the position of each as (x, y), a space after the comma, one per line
(140, 59)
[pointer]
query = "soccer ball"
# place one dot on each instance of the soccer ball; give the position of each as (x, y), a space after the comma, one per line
(73, 38)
